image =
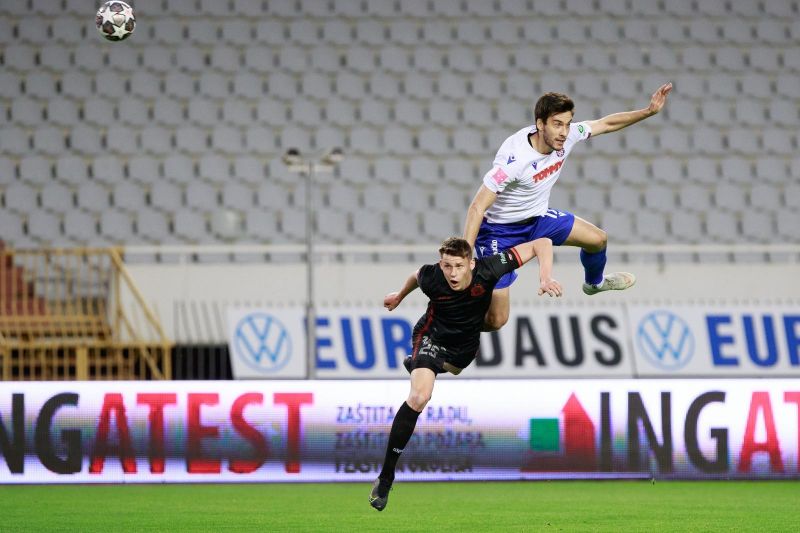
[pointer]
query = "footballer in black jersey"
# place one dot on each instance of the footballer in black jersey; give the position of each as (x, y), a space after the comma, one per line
(447, 337)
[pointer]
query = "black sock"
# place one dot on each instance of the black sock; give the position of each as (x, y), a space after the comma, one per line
(402, 429)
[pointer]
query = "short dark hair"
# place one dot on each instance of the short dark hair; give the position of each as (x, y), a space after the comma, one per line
(552, 104)
(456, 247)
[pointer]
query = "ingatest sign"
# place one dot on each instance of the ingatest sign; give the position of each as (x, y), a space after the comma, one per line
(337, 430)
(559, 341)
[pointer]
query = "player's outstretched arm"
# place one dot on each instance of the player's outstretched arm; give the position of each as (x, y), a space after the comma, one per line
(617, 121)
(484, 198)
(393, 299)
(542, 249)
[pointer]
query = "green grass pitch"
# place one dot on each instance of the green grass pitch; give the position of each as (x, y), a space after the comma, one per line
(475, 506)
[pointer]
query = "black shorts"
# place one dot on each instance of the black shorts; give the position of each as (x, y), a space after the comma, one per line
(428, 354)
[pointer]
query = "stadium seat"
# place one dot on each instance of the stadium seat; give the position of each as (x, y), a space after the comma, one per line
(765, 197)
(772, 170)
(72, 170)
(188, 139)
(26, 112)
(433, 141)
(152, 226)
(141, 169)
(723, 84)
(369, 226)
(389, 170)
(695, 198)
(12, 224)
(261, 224)
(787, 223)
(21, 197)
(449, 85)
(758, 226)
(722, 226)
(414, 197)
(730, 58)
(729, 197)
(159, 141)
(213, 84)
(708, 140)
(378, 198)
(128, 196)
(165, 196)
(272, 195)
(651, 226)
(779, 140)
(36, 170)
(686, 227)
(443, 113)
(80, 227)
(133, 112)
(62, 112)
(93, 197)
(618, 225)
(49, 140)
(157, 59)
(190, 226)
(702, 170)
(784, 112)
(765, 59)
(340, 196)
(45, 228)
(122, 140)
(625, 198)
(238, 113)
(438, 225)
(659, 197)
(354, 170)
(331, 224)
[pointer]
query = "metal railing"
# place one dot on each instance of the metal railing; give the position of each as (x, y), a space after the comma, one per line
(61, 317)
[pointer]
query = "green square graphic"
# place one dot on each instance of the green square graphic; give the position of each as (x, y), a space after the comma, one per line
(544, 434)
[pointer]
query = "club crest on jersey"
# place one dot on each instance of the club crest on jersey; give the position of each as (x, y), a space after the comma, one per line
(511, 159)
(560, 153)
(499, 176)
(477, 290)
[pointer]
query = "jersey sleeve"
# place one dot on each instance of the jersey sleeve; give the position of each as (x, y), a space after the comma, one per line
(579, 131)
(505, 168)
(425, 277)
(502, 263)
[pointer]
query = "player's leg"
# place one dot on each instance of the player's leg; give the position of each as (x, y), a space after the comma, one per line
(499, 309)
(405, 420)
(593, 242)
(492, 239)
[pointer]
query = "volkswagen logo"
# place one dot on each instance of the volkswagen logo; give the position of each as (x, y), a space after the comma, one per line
(665, 339)
(262, 342)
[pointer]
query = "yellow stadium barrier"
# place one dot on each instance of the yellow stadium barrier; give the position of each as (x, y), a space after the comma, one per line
(76, 314)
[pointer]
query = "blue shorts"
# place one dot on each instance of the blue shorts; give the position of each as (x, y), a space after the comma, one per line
(494, 238)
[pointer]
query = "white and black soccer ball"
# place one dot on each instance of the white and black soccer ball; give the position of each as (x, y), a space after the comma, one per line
(115, 20)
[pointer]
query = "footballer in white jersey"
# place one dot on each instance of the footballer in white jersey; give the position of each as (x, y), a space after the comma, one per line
(512, 205)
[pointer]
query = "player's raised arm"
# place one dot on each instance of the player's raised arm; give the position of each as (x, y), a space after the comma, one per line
(617, 121)
(393, 299)
(542, 249)
(483, 199)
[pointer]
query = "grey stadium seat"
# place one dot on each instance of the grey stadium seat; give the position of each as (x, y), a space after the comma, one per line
(57, 197)
(21, 197)
(93, 197)
(128, 196)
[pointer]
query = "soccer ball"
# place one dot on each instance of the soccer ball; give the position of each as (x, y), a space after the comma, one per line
(115, 20)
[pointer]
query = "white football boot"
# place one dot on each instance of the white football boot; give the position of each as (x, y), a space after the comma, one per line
(616, 281)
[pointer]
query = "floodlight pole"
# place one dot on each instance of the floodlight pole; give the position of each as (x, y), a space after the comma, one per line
(298, 164)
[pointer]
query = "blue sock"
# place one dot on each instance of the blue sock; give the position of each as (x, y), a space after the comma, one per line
(593, 265)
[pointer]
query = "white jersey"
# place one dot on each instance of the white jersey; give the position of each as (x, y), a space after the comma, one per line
(522, 177)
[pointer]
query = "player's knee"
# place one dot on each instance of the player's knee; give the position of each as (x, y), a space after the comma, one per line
(418, 399)
(495, 320)
(598, 241)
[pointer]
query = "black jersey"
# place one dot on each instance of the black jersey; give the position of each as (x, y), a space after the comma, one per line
(454, 318)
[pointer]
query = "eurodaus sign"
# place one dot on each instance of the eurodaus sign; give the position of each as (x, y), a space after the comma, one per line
(335, 430)
(559, 341)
